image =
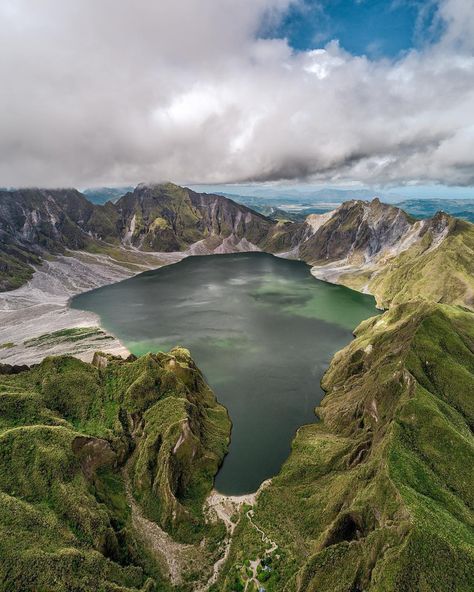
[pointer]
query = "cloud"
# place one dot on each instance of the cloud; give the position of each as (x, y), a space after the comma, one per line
(107, 91)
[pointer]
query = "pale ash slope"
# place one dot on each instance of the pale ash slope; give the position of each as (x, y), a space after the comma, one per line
(36, 320)
(368, 246)
(379, 249)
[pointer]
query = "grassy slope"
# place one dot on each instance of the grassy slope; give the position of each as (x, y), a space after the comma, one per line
(15, 265)
(444, 274)
(67, 429)
(378, 496)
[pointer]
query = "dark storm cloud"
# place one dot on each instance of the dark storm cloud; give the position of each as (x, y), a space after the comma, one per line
(117, 92)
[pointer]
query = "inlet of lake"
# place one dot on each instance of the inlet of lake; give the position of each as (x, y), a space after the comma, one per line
(261, 329)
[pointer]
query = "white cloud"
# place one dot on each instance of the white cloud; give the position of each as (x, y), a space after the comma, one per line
(104, 91)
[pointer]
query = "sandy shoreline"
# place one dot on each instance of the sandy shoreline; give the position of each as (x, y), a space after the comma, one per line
(41, 308)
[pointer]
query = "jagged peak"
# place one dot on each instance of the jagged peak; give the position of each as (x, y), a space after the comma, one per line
(440, 221)
(371, 207)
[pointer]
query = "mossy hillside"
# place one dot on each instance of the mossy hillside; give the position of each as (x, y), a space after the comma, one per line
(68, 431)
(441, 273)
(167, 217)
(183, 439)
(164, 219)
(378, 495)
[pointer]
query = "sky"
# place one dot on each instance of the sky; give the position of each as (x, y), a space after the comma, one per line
(349, 93)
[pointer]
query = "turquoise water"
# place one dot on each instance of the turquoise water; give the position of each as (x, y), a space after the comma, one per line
(261, 329)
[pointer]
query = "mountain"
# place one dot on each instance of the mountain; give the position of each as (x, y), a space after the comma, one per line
(171, 218)
(79, 444)
(379, 249)
(106, 468)
(36, 223)
(425, 208)
(101, 462)
(369, 246)
(378, 494)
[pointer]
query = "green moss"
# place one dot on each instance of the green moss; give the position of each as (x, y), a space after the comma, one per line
(69, 434)
(7, 345)
(68, 335)
(378, 495)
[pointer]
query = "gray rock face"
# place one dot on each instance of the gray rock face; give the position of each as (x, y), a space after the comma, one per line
(171, 218)
(167, 218)
(357, 228)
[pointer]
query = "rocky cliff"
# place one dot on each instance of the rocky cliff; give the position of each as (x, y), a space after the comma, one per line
(95, 456)
(378, 495)
(171, 218)
(369, 246)
(379, 249)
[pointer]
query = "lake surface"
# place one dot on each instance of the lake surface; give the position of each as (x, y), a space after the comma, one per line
(261, 329)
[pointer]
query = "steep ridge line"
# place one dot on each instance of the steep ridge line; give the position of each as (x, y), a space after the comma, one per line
(379, 463)
(376, 496)
(367, 246)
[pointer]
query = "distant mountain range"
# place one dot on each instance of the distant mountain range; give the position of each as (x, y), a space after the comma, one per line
(101, 195)
(369, 246)
(296, 205)
(424, 208)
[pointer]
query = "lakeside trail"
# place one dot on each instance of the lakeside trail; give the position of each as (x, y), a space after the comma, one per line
(175, 558)
(225, 507)
(266, 540)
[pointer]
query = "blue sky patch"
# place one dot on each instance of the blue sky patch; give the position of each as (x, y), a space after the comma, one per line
(376, 28)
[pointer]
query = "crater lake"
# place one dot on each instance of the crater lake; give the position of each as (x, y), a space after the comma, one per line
(262, 329)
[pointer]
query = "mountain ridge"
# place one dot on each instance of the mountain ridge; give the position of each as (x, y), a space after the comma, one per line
(373, 497)
(369, 246)
(376, 495)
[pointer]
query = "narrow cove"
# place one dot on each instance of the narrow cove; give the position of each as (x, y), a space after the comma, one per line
(262, 330)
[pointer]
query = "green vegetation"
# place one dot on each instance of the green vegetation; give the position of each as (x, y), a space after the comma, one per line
(15, 265)
(442, 274)
(378, 495)
(68, 335)
(72, 435)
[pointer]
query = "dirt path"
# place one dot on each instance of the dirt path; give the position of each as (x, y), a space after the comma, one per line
(266, 540)
(224, 507)
(172, 556)
(175, 557)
